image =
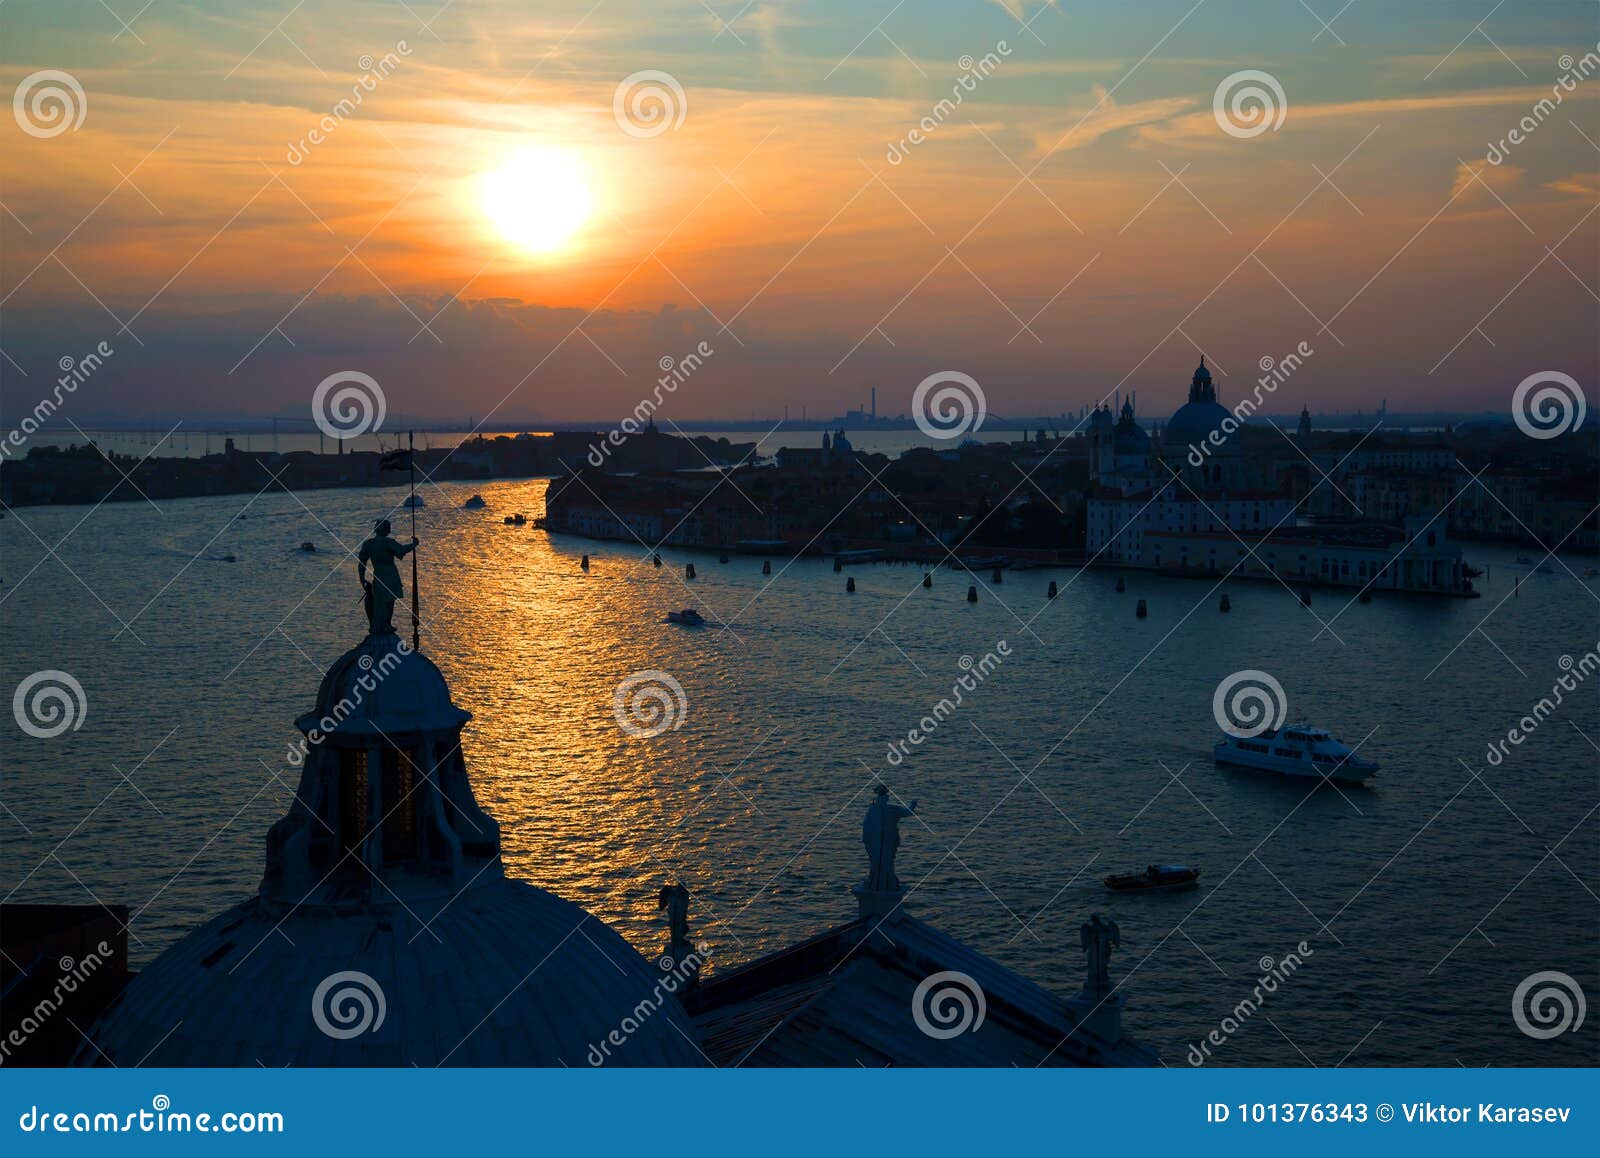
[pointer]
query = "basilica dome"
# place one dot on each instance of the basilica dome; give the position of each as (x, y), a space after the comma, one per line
(1194, 421)
(384, 931)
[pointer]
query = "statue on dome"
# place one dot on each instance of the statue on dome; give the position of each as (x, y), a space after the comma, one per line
(383, 589)
(1098, 936)
(880, 832)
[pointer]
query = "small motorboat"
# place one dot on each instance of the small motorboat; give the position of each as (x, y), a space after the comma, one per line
(414, 502)
(1590, 572)
(688, 617)
(1157, 878)
(516, 520)
(309, 547)
(475, 503)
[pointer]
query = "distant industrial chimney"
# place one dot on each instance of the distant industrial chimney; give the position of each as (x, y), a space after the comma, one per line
(874, 403)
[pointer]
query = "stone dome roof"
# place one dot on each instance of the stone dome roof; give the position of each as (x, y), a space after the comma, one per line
(385, 931)
(383, 686)
(1193, 422)
(506, 974)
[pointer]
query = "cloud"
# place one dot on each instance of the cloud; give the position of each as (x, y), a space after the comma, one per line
(1480, 178)
(1585, 185)
(1104, 117)
(1200, 128)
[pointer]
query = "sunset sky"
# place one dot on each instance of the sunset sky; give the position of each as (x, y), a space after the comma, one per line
(485, 237)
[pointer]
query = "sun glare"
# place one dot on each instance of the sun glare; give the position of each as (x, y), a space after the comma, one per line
(538, 199)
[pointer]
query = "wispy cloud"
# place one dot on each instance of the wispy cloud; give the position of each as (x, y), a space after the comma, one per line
(1479, 178)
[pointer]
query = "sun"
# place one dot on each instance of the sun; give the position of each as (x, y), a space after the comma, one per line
(538, 199)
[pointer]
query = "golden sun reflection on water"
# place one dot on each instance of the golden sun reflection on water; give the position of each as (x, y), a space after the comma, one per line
(756, 802)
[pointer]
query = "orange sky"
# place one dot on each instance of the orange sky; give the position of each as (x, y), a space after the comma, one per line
(1080, 223)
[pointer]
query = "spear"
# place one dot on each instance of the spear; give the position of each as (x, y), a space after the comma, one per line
(411, 458)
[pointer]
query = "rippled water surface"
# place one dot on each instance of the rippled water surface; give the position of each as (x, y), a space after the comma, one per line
(1423, 900)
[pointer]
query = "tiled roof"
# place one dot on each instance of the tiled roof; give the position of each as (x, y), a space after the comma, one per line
(845, 997)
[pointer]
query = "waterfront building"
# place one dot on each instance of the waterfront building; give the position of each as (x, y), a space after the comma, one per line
(1141, 487)
(1197, 502)
(1416, 556)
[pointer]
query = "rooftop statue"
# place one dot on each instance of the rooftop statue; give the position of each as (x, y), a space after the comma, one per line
(675, 900)
(684, 958)
(383, 589)
(880, 832)
(1099, 936)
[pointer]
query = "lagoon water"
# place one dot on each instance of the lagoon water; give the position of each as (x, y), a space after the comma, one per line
(1422, 901)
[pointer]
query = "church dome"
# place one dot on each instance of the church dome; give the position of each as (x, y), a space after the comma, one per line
(503, 974)
(1129, 438)
(384, 931)
(1194, 421)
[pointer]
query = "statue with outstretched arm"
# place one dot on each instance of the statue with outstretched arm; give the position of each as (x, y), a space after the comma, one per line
(880, 832)
(382, 590)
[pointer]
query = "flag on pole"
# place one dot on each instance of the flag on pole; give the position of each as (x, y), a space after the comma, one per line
(395, 460)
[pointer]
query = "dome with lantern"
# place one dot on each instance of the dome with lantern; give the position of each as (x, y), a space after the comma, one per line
(385, 931)
(1193, 422)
